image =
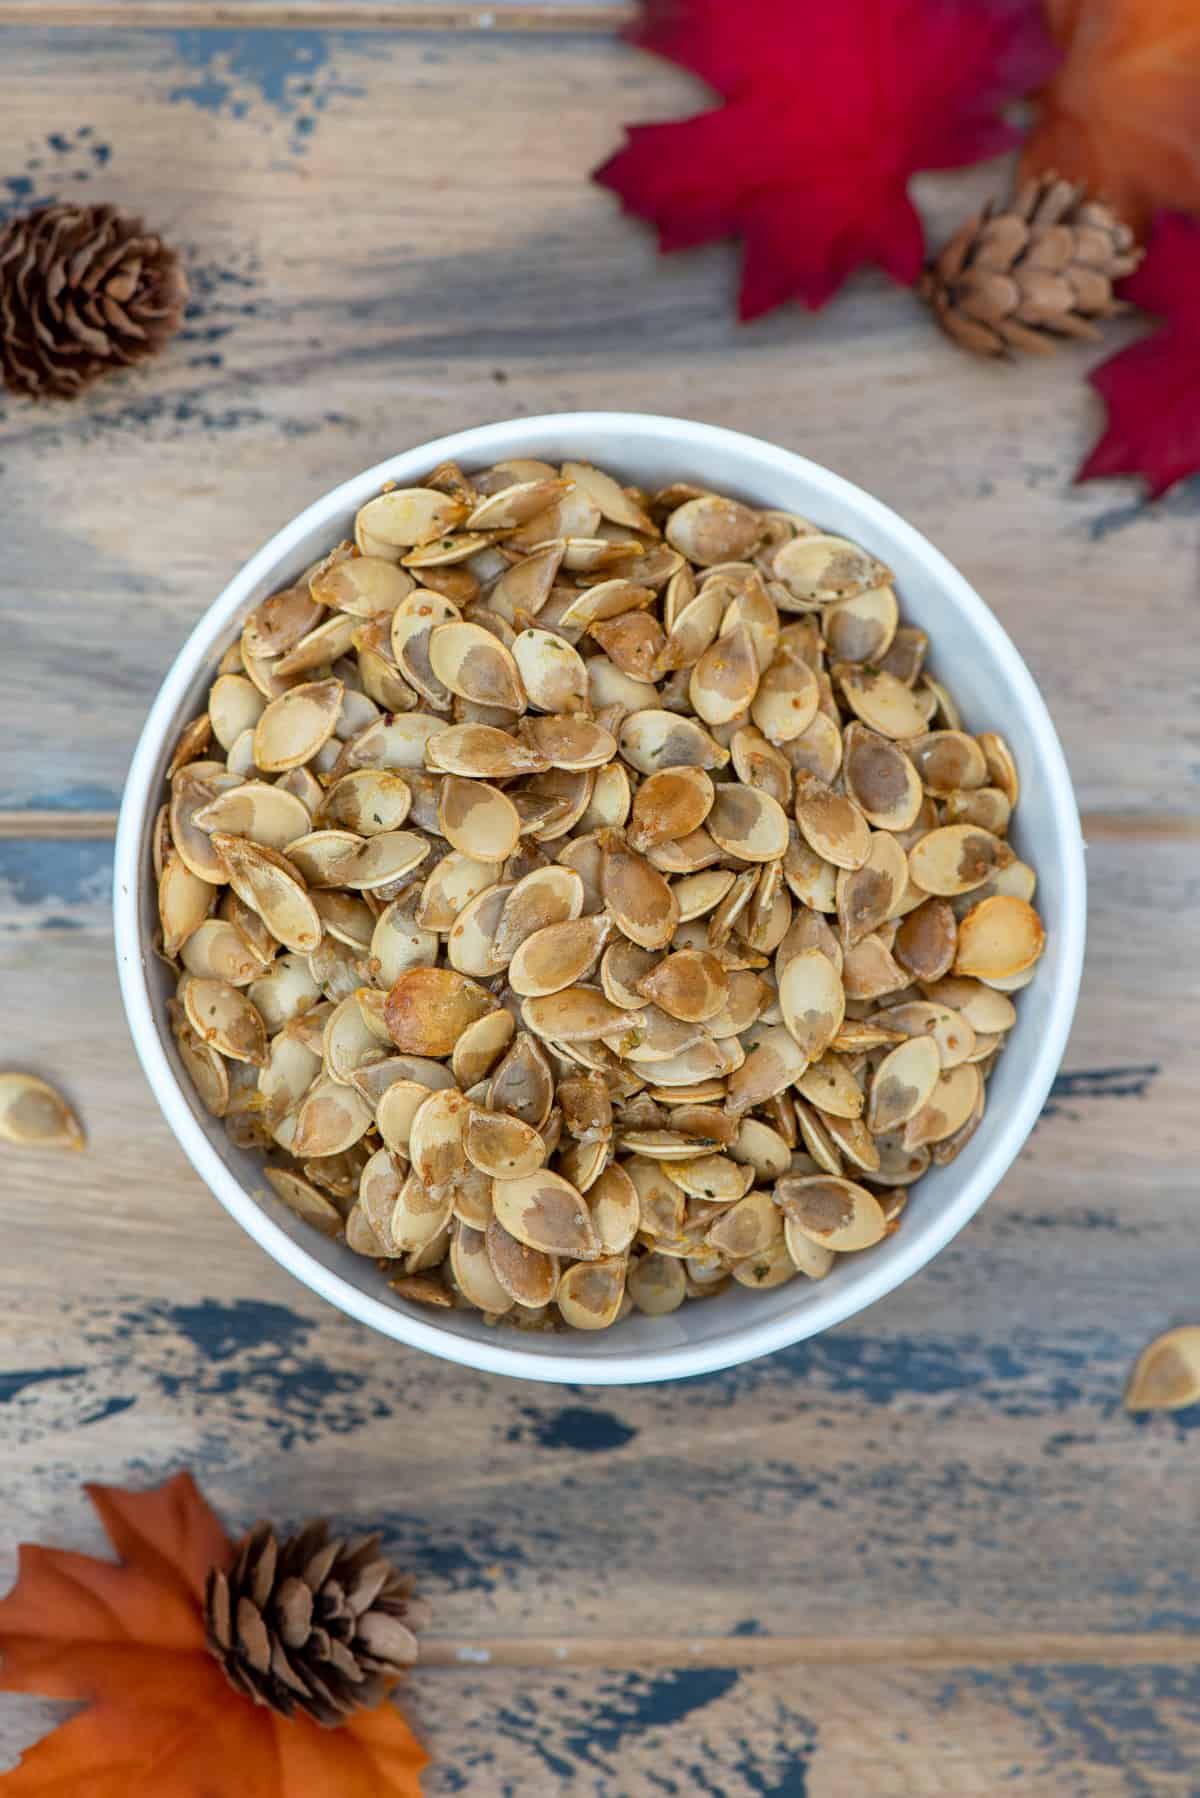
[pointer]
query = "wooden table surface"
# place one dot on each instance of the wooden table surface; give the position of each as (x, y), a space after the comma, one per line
(926, 1554)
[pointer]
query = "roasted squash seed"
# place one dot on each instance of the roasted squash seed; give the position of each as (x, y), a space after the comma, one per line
(587, 899)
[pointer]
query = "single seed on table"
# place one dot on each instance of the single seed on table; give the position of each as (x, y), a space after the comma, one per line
(33, 1115)
(1167, 1374)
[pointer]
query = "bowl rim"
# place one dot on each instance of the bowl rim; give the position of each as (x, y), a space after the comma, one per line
(747, 1340)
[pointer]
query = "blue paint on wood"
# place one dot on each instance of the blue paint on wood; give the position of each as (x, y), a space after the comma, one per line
(112, 1407)
(1131, 1082)
(54, 171)
(254, 1359)
(76, 796)
(286, 75)
(220, 1332)
(1182, 501)
(1090, 1722)
(642, 1701)
(686, 1733)
(13, 1384)
(584, 1428)
(36, 873)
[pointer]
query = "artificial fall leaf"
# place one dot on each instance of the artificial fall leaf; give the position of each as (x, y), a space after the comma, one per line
(1152, 389)
(1122, 112)
(161, 1721)
(829, 109)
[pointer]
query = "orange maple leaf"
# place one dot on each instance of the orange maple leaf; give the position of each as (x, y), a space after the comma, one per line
(162, 1721)
(1122, 113)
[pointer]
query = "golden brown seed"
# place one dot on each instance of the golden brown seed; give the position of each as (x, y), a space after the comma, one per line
(926, 940)
(546, 1212)
(956, 858)
(812, 1000)
(836, 1213)
(558, 956)
(527, 1275)
(641, 902)
(590, 1293)
(501, 1145)
(428, 1009)
(903, 1083)
(669, 805)
(1167, 1374)
(691, 985)
(747, 823)
(710, 529)
(33, 1115)
(999, 937)
(831, 825)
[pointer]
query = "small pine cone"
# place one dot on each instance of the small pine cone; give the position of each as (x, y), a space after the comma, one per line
(311, 1624)
(1041, 269)
(84, 290)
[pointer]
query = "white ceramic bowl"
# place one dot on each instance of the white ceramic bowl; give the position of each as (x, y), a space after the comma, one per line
(994, 689)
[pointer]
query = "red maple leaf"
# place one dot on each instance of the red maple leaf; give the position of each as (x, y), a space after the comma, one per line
(161, 1720)
(1152, 389)
(830, 107)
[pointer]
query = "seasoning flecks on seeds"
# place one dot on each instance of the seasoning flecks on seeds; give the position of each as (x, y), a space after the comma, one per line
(586, 898)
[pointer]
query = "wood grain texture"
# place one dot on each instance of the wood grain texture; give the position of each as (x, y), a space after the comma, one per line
(338, 15)
(925, 1556)
(881, 1481)
(338, 315)
(1080, 1731)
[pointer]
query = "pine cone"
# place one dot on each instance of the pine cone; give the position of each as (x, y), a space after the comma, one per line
(1041, 269)
(311, 1624)
(84, 290)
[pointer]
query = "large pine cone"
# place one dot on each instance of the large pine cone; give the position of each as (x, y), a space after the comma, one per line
(84, 290)
(311, 1624)
(1041, 269)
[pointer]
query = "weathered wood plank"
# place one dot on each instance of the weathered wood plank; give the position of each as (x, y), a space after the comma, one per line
(339, 15)
(1081, 1731)
(880, 1480)
(338, 315)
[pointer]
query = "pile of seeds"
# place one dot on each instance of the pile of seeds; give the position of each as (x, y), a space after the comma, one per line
(588, 898)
